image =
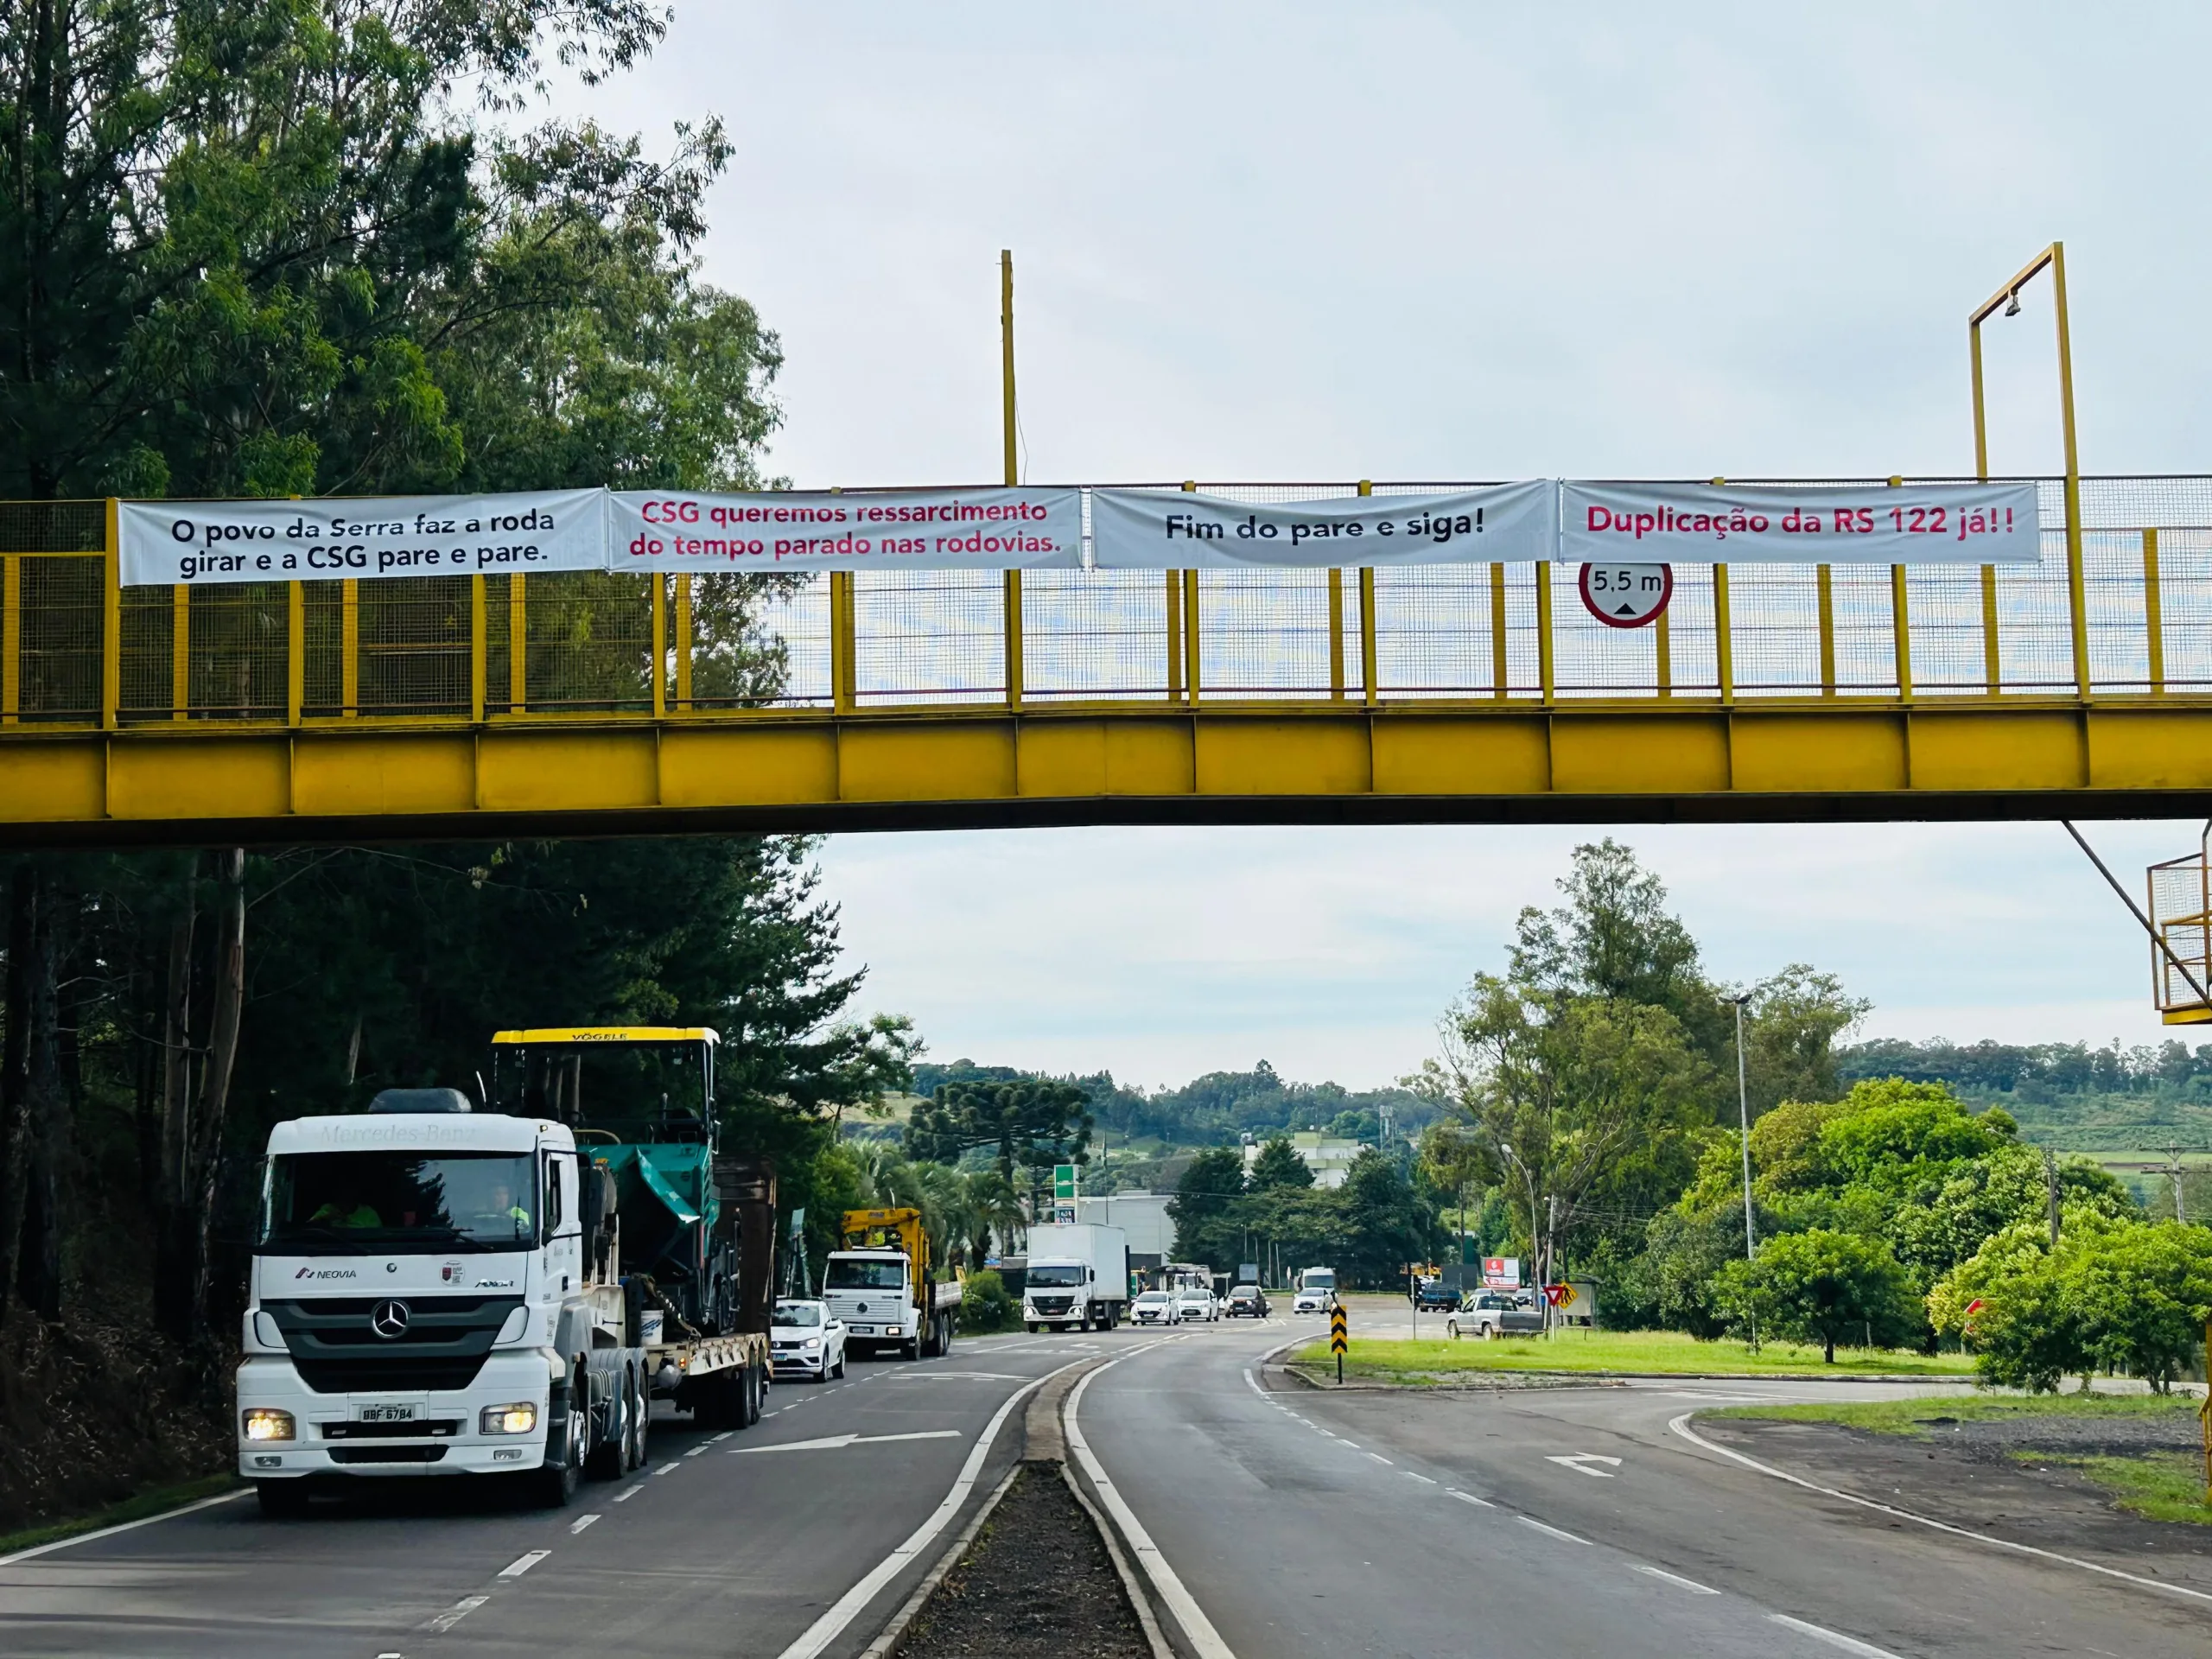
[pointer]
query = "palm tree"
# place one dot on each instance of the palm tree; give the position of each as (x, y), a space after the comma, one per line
(996, 1207)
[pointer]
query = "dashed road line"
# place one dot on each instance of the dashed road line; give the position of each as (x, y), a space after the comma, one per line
(1681, 1426)
(522, 1564)
(625, 1496)
(1410, 1475)
(454, 1614)
(1550, 1532)
(1690, 1584)
(581, 1523)
(1469, 1498)
(1833, 1638)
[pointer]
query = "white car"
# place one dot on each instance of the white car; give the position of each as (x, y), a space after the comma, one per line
(806, 1340)
(1197, 1305)
(1313, 1301)
(1156, 1307)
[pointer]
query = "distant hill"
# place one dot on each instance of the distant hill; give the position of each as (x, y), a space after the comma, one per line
(1216, 1109)
(2064, 1094)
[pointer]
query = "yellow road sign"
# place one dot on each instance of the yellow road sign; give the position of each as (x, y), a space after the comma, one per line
(1338, 1340)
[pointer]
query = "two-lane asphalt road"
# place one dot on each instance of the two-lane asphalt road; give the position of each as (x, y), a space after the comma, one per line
(1303, 1523)
(725, 1545)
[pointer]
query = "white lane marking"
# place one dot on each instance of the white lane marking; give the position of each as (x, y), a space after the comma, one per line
(121, 1526)
(522, 1564)
(1410, 1475)
(1197, 1628)
(1690, 1584)
(1834, 1639)
(668, 1468)
(1553, 1532)
(697, 1449)
(850, 1606)
(1469, 1498)
(458, 1611)
(624, 1496)
(933, 1376)
(831, 1443)
(581, 1523)
(718, 1439)
(1380, 1458)
(1682, 1427)
(1580, 1462)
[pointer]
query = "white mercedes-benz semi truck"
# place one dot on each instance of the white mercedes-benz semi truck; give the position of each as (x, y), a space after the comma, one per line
(442, 1291)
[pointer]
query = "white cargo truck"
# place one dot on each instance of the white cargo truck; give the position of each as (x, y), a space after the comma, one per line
(1078, 1277)
(441, 1290)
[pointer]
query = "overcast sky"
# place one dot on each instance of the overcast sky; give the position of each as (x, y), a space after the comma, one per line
(1307, 242)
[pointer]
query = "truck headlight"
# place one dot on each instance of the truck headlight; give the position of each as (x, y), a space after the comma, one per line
(518, 1419)
(262, 1424)
(812, 1344)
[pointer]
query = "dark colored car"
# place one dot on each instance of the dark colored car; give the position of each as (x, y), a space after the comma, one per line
(1246, 1302)
(1436, 1295)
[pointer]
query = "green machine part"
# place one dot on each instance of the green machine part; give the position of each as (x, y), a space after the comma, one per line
(670, 1210)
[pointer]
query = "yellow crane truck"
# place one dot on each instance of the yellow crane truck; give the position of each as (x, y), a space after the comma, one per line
(880, 1283)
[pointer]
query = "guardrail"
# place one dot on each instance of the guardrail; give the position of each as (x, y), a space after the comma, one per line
(2133, 617)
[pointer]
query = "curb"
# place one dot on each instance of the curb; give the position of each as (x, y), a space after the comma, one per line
(891, 1633)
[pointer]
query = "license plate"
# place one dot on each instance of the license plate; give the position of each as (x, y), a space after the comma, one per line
(862, 1330)
(386, 1413)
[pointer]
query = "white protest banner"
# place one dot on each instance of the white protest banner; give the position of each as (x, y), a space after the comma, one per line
(998, 529)
(197, 542)
(1859, 523)
(1177, 529)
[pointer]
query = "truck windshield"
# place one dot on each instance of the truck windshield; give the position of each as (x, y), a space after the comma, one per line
(1320, 1278)
(865, 1276)
(399, 1202)
(1057, 1278)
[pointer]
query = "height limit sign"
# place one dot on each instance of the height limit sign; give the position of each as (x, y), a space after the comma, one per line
(1627, 596)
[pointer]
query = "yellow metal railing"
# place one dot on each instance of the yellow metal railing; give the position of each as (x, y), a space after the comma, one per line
(2133, 617)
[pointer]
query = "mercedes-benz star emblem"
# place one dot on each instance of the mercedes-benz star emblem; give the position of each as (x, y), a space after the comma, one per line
(389, 1320)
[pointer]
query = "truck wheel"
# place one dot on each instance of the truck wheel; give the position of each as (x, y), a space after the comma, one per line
(641, 1416)
(607, 1460)
(282, 1500)
(555, 1483)
(756, 1395)
(950, 1326)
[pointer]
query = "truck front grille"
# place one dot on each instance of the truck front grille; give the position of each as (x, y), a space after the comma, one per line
(336, 1349)
(387, 1453)
(1053, 1304)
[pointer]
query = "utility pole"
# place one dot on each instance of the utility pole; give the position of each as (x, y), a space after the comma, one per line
(2173, 1157)
(1744, 1116)
(1551, 1245)
(2051, 1188)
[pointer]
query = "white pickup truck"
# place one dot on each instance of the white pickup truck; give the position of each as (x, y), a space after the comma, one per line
(1491, 1315)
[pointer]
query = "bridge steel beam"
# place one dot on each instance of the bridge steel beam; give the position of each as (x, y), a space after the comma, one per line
(340, 781)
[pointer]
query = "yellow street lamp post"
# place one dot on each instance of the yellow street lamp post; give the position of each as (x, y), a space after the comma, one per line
(2008, 296)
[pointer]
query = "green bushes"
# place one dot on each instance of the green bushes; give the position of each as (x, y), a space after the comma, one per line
(2115, 1295)
(1820, 1287)
(986, 1307)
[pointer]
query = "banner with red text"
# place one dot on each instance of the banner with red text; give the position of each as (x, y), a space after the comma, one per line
(1178, 530)
(1858, 524)
(197, 542)
(1004, 529)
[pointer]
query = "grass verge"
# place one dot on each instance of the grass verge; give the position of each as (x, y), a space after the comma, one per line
(2158, 1485)
(1918, 1415)
(155, 1502)
(1629, 1352)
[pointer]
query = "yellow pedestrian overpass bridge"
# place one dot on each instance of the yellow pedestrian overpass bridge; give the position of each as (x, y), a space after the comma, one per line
(612, 703)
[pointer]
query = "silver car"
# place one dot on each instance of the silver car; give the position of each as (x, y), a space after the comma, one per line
(1156, 1307)
(806, 1340)
(1195, 1305)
